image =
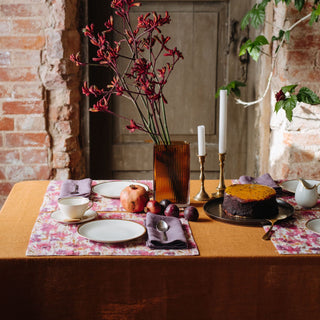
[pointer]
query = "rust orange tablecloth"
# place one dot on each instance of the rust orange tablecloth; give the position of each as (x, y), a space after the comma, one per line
(236, 276)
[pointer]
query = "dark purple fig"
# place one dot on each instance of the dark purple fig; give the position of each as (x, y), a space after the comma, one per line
(172, 210)
(191, 213)
(165, 202)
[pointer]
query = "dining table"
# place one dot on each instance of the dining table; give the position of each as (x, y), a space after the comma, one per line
(236, 275)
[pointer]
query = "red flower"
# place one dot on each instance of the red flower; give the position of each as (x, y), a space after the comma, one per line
(280, 96)
(76, 59)
(133, 126)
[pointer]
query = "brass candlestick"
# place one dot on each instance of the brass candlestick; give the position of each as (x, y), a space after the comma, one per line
(221, 187)
(202, 195)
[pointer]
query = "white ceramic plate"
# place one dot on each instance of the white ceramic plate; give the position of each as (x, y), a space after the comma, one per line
(291, 185)
(314, 225)
(111, 230)
(112, 189)
(60, 217)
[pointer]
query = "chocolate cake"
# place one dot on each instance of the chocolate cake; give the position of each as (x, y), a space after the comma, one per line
(250, 200)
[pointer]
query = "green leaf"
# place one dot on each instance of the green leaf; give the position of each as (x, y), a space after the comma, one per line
(314, 15)
(233, 87)
(261, 40)
(254, 52)
(287, 36)
(289, 104)
(308, 96)
(289, 88)
(253, 48)
(278, 105)
(299, 4)
(245, 20)
(244, 47)
(286, 1)
(279, 37)
(257, 16)
(277, 1)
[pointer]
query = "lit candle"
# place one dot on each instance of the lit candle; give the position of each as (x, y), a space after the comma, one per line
(201, 141)
(223, 122)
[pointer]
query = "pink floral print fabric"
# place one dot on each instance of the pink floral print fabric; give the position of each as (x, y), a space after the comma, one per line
(51, 238)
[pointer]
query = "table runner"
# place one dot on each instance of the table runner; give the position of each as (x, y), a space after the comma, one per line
(49, 237)
(292, 236)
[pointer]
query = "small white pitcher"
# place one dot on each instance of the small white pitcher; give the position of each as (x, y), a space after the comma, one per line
(306, 194)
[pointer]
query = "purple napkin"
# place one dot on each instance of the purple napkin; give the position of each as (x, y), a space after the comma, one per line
(265, 179)
(75, 188)
(175, 233)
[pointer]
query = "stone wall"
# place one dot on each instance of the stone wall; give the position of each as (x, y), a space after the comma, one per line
(39, 95)
(295, 146)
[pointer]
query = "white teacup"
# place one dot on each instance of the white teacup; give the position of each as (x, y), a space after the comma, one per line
(74, 207)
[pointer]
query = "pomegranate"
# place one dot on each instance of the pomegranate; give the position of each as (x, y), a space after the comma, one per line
(134, 198)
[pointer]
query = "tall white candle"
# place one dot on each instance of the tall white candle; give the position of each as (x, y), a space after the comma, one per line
(223, 122)
(201, 141)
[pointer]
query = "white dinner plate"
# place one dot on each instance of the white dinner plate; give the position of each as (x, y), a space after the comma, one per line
(112, 189)
(60, 217)
(291, 185)
(314, 225)
(111, 230)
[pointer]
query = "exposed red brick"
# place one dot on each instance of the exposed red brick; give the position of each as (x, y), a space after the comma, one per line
(25, 58)
(28, 91)
(64, 127)
(23, 107)
(18, 173)
(5, 58)
(18, 74)
(23, 10)
(34, 156)
(27, 25)
(34, 123)
(5, 188)
(14, 139)
(298, 139)
(5, 26)
(301, 58)
(8, 156)
(2, 173)
(305, 41)
(22, 42)
(61, 160)
(302, 156)
(6, 124)
(4, 91)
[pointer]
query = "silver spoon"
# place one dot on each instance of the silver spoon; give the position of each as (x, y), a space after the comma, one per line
(162, 226)
(280, 216)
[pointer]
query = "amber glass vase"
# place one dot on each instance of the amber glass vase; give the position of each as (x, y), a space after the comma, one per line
(171, 172)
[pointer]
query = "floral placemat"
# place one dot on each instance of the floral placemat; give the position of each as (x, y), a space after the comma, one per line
(51, 238)
(291, 236)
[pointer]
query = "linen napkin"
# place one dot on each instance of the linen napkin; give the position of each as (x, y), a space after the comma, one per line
(175, 233)
(265, 179)
(75, 188)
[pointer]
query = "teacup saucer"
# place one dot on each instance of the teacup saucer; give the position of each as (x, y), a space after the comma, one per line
(60, 217)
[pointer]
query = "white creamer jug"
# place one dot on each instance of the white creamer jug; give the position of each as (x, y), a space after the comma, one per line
(306, 194)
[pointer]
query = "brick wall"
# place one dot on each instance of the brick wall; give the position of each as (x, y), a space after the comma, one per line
(295, 146)
(39, 96)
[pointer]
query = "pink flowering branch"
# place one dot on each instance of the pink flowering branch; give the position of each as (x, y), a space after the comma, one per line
(143, 79)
